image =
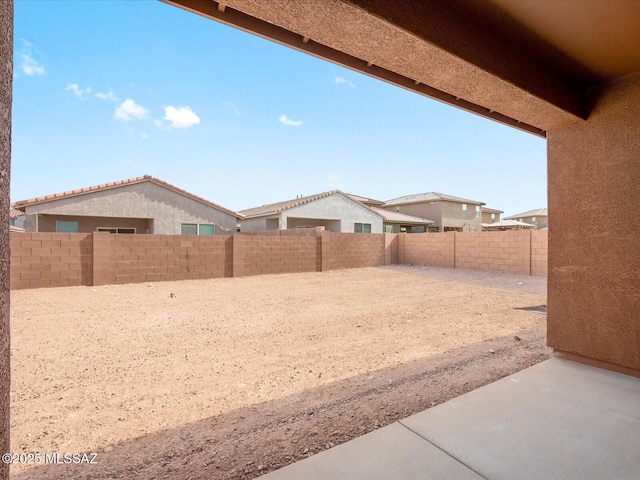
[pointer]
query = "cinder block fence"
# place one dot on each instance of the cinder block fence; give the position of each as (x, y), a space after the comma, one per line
(57, 260)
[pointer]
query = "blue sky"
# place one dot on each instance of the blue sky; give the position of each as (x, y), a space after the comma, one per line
(109, 90)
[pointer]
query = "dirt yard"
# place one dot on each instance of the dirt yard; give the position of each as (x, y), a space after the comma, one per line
(235, 377)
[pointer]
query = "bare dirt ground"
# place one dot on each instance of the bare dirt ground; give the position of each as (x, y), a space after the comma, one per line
(235, 377)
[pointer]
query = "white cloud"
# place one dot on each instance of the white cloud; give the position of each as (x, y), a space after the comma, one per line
(108, 96)
(233, 107)
(77, 91)
(343, 81)
(288, 122)
(129, 110)
(31, 67)
(181, 117)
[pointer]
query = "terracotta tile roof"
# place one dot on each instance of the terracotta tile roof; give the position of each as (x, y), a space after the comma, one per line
(107, 186)
(490, 210)
(429, 197)
(365, 200)
(540, 212)
(15, 213)
(276, 208)
(397, 217)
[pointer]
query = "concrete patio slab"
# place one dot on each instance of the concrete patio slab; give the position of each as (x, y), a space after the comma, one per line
(556, 420)
(392, 452)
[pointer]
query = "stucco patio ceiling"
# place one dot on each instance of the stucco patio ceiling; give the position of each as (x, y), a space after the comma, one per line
(455, 51)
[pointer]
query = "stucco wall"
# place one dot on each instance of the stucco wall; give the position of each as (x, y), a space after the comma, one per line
(335, 207)
(594, 236)
(47, 223)
(169, 209)
(444, 214)
(6, 76)
(255, 224)
(541, 221)
(486, 217)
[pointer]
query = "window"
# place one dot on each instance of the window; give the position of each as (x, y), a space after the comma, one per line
(477, 211)
(116, 230)
(362, 227)
(388, 229)
(189, 229)
(464, 209)
(66, 227)
(417, 229)
(197, 229)
(206, 229)
(434, 229)
(493, 217)
(533, 219)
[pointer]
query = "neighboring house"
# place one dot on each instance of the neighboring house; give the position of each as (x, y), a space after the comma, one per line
(137, 205)
(447, 212)
(539, 218)
(393, 222)
(490, 215)
(507, 225)
(16, 218)
(334, 211)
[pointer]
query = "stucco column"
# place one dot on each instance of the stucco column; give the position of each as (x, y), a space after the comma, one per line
(594, 232)
(6, 76)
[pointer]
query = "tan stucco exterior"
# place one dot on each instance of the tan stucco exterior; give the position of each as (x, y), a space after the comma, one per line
(6, 76)
(446, 215)
(145, 206)
(594, 236)
(540, 221)
(490, 215)
(336, 212)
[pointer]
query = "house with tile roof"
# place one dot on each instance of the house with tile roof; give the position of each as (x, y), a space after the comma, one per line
(393, 222)
(490, 215)
(334, 210)
(447, 212)
(136, 205)
(538, 217)
(16, 219)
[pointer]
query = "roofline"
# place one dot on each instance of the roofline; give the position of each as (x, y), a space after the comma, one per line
(23, 204)
(455, 200)
(303, 201)
(528, 213)
(220, 12)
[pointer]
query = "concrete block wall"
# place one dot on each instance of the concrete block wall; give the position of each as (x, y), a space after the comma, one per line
(515, 251)
(57, 260)
(264, 254)
(155, 258)
(539, 252)
(352, 250)
(508, 252)
(433, 249)
(51, 260)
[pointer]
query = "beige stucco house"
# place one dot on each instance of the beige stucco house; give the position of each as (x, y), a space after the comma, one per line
(447, 212)
(333, 210)
(137, 205)
(393, 222)
(490, 215)
(538, 217)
